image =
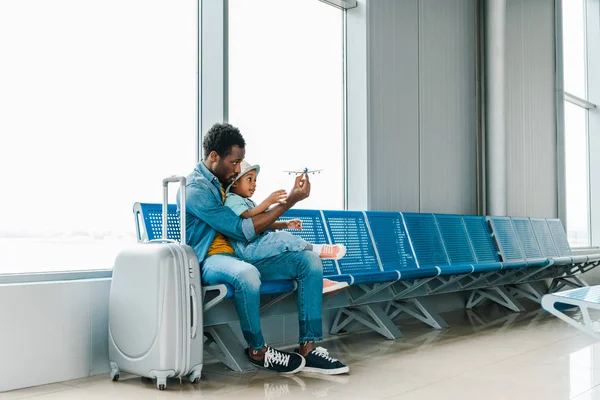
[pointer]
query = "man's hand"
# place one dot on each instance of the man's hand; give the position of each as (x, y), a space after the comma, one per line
(294, 224)
(278, 196)
(301, 189)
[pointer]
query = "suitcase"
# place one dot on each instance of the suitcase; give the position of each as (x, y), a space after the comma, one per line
(155, 307)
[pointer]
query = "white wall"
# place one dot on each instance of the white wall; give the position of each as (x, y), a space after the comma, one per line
(422, 136)
(530, 109)
(53, 332)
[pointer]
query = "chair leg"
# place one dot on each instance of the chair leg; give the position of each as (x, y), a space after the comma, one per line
(370, 316)
(416, 309)
(229, 349)
(498, 295)
(526, 290)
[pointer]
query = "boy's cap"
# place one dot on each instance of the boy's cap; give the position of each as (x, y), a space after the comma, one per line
(246, 167)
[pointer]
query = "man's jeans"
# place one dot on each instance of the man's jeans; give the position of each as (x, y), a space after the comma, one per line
(268, 245)
(303, 266)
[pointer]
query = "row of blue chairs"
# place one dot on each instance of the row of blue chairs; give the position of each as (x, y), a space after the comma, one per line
(451, 252)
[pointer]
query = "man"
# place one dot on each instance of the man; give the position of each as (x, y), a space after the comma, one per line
(210, 223)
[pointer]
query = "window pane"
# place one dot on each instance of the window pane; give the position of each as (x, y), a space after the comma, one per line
(578, 228)
(573, 12)
(285, 93)
(97, 105)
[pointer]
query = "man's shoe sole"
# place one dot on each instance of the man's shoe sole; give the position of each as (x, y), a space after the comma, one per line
(300, 368)
(327, 371)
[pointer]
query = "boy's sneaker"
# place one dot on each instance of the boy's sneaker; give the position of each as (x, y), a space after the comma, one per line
(330, 251)
(279, 361)
(330, 286)
(319, 361)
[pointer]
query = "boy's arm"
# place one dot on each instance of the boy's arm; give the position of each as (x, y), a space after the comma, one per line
(276, 197)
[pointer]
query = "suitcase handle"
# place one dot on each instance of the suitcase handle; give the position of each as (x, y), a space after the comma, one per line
(194, 311)
(165, 184)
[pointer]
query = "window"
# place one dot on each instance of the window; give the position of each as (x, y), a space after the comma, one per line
(578, 227)
(285, 81)
(576, 132)
(97, 105)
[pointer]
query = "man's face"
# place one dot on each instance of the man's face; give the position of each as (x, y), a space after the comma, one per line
(227, 168)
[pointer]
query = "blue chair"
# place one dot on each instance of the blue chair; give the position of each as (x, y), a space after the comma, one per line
(361, 260)
(564, 249)
(460, 250)
(532, 249)
(428, 246)
(394, 246)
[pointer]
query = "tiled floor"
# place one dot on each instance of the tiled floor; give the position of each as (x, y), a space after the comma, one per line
(492, 354)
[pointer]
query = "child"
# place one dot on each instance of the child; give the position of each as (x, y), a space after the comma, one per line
(270, 244)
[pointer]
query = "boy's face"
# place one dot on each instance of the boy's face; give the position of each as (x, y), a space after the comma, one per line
(246, 185)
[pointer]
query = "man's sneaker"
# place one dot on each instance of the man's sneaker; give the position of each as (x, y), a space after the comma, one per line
(279, 361)
(330, 251)
(330, 286)
(319, 361)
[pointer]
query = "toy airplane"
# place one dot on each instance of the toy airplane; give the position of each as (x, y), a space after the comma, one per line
(304, 171)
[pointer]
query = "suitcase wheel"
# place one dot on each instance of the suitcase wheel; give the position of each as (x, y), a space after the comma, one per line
(194, 378)
(161, 386)
(116, 377)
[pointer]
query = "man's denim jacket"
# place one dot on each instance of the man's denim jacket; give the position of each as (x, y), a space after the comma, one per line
(206, 215)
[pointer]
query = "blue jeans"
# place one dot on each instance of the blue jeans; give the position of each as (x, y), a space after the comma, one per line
(267, 245)
(303, 266)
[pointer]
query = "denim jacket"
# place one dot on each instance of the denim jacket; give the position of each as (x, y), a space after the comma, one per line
(206, 214)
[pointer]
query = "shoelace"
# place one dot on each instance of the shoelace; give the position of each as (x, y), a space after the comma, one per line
(273, 356)
(322, 352)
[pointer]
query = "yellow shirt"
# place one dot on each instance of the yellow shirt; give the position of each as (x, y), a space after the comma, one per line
(221, 244)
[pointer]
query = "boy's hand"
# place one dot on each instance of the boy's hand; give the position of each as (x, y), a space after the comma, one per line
(294, 224)
(277, 196)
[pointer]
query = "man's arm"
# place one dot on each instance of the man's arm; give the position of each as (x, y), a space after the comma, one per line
(300, 191)
(201, 203)
(279, 225)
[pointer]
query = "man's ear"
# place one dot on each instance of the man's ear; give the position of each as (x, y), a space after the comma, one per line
(213, 157)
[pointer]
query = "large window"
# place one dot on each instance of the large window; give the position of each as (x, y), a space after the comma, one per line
(285, 91)
(97, 105)
(576, 132)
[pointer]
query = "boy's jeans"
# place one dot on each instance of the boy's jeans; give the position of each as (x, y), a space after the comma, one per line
(303, 266)
(267, 245)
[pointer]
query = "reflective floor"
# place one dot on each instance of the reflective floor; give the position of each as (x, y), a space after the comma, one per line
(487, 354)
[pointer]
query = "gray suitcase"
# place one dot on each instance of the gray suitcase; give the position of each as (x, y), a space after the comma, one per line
(155, 308)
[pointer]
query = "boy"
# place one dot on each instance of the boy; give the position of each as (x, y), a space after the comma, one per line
(271, 243)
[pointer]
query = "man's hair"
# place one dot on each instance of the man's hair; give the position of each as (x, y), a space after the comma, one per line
(221, 137)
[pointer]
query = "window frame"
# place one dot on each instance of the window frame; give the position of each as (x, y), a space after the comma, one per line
(592, 87)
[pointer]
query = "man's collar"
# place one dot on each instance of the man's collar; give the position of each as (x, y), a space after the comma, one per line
(206, 172)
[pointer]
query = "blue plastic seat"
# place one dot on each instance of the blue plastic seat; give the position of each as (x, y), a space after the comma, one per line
(427, 243)
(457, 244)
(510, 249)
(562, 243)
(484, 248)
(394, 246)
(361, 261)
